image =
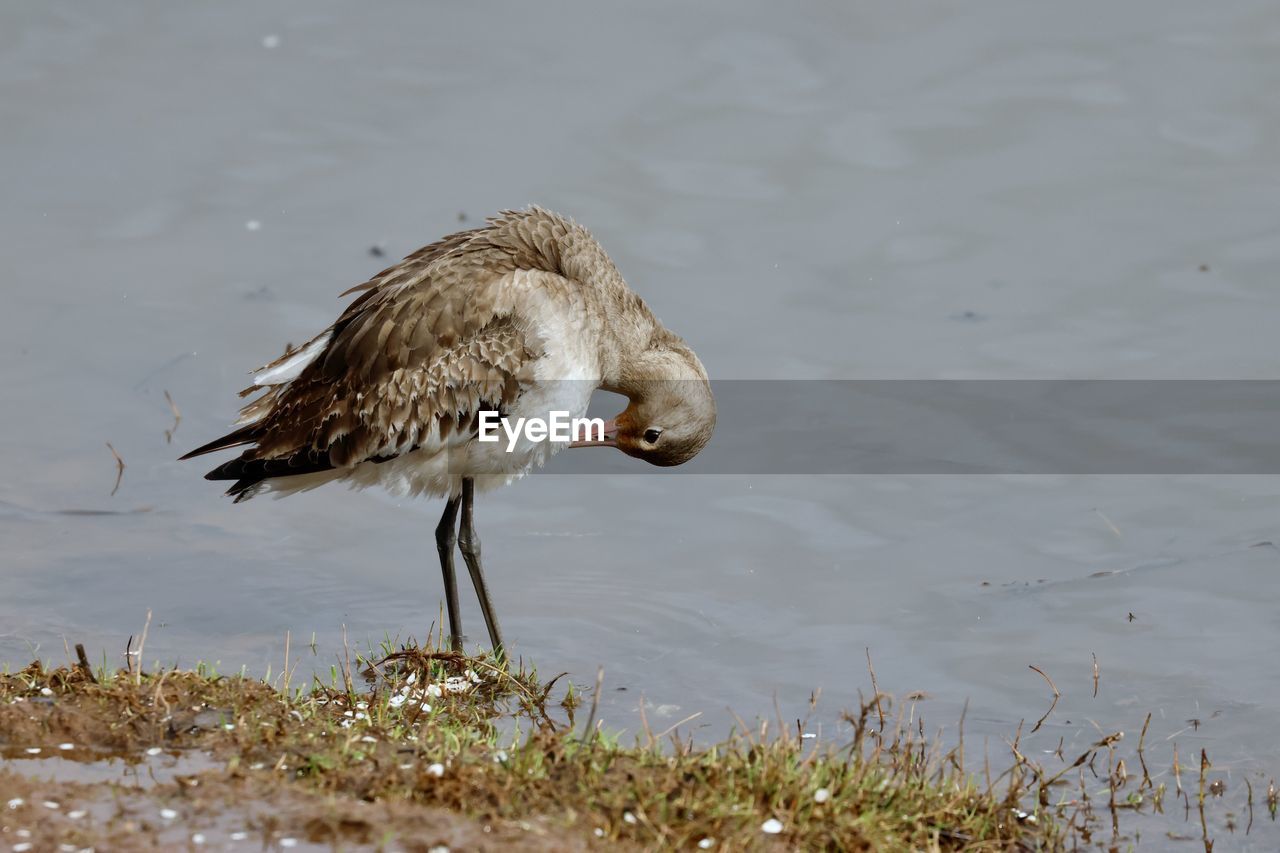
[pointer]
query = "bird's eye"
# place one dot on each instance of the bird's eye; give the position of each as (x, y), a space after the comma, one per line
(652, 434)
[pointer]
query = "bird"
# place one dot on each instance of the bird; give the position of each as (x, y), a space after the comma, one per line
(521, 317)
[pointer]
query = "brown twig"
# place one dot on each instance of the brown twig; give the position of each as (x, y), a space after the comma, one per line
(84, 663)
(875, 689)
(142, 642)
(644, 724)
(1142, 739)
(119, 469)
(1177, 769)
(177, 419)
(1107, 521)
(1249, 786)
(157, 697)
(286, 650)
(346, 662)
(743, 727)
(1095, 675)
(1056, 696)
(671, 729)
(1204, 765)
(595, 702)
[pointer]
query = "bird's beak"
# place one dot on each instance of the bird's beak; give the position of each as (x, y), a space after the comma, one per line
(610, 438)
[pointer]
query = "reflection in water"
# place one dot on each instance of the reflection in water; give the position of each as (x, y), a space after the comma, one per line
(70, 763)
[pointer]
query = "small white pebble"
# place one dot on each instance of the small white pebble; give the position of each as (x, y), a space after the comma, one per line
(168, 814)
(413, 676)
(772, 826)
(426, 709)
(363, 706)
(197, 838)
(599, 832)
(22, 847)
(155, 750)
(271, 42)
(238, 836)
(65, 746)
(821, 795)
(368, 739)
(229, 726)
(33, 750)
(439, 848)
(628, 817)
(50, 804)
(23, 833)
(361, 716)
(406, 766)
(435, 690)
(500, 756)
(808, 736)
(706, 844)
(77, 814)
(45, 691)
(435, 770)
(67, 848)
(253, 225)
(15, 802)
(396, 701)
(288, 842)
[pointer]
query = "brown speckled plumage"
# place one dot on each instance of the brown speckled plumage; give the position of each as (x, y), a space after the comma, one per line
(436, 337)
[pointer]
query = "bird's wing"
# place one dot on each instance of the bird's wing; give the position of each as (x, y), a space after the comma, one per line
(407, 365)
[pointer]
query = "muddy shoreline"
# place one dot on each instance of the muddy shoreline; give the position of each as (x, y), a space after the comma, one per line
(438, 751)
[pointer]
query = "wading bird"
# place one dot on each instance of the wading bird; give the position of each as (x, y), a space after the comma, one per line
(523, 316)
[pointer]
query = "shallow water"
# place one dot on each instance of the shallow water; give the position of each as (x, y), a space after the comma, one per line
(88, 767)
(845, 192)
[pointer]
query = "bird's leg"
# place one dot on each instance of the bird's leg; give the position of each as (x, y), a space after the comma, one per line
(469, 543)
(445, 540)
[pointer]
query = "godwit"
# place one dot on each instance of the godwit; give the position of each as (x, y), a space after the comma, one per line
(524, 316)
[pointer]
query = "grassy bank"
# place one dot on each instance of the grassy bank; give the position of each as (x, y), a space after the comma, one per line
(413, 749)
(436, 749)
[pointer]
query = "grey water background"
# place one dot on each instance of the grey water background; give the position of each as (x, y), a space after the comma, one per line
(923, 191)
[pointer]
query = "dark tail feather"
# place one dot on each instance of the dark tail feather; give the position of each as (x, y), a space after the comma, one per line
(249, 472)
(244, 435)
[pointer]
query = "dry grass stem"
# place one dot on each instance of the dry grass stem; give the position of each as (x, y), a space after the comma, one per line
(177, 419)
(120, 466)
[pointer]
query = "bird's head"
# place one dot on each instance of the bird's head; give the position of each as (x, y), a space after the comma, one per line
(672, 411)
